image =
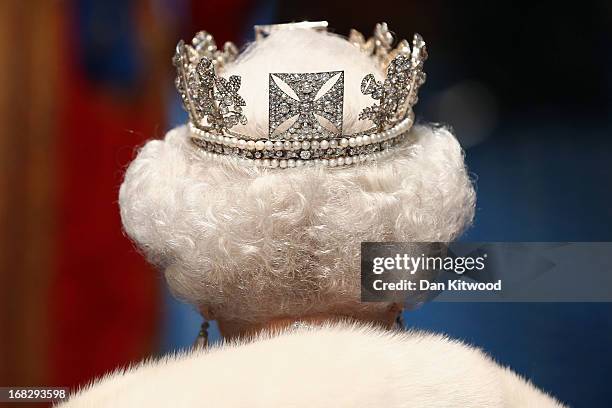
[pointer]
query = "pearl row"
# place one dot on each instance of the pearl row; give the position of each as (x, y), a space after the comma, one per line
(293, 163)
(265, 144)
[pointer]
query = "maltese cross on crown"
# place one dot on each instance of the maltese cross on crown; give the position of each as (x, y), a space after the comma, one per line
(305, 105)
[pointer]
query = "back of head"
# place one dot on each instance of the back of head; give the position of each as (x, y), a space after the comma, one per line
(248, 243)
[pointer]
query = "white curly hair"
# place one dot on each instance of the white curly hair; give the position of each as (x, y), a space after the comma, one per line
(249, 243)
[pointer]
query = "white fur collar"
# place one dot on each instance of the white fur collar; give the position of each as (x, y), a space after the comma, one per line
(332, 366)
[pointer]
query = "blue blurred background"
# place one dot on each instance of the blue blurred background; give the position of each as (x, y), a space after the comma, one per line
(526, 87)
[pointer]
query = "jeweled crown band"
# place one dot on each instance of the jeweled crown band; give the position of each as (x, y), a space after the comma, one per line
(297, 134)
(268, 153)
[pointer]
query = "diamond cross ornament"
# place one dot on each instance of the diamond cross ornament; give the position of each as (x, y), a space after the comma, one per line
(317, 114)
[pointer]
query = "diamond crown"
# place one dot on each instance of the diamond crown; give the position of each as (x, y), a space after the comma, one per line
(304, 109)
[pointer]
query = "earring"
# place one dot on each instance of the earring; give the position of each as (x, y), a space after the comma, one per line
(400, 324)
(202, 339)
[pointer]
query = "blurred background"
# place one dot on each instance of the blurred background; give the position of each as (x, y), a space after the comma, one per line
(526, 86)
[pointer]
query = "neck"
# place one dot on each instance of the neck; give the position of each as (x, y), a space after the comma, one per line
(239, 329)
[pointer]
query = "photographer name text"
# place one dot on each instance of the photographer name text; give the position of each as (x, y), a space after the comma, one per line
(424, 285)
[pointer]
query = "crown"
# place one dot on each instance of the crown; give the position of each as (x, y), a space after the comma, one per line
(305, 109)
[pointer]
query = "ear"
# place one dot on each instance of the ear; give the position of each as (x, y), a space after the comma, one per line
(207, 313)
(396, 308)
